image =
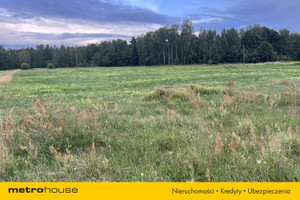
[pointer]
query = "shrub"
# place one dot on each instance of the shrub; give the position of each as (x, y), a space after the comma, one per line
(25, 66)
(50, 66)
(284, 58)
(176, 61)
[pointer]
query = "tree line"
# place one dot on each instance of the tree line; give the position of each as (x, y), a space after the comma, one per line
(168, 45)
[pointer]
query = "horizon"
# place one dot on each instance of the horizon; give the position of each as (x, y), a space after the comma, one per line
(79, 23)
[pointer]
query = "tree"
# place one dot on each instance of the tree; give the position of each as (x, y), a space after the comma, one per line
(251, 40)
(14, 58)
(203, 46)
(38, 57)
(166, 45)
(48, 54)
(150, 53)
(217, 51)
(272, 37)
(254, 37)
(71, 54)
(24, 56)
(284, 35)
(6, 61)
(294, 47)
(90, 51)
(122, 52)
(264, 52)
(61, 57)
(97, 59)
(160, 37)
(231, 46)
(173, 41)
(187, 31)
(211, 38)
(133, 52)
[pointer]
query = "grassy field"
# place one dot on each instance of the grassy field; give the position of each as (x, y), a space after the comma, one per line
(5, 72)
(173, 123)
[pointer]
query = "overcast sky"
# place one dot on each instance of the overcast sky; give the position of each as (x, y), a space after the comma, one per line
(79, 22)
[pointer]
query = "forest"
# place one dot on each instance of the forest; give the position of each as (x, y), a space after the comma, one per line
(169, 45)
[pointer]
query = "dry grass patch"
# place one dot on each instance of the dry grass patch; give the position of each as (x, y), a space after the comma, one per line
(180, 92)
(7, 77)
(4, 156)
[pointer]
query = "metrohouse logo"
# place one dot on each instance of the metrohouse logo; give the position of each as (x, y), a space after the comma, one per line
(49, 190)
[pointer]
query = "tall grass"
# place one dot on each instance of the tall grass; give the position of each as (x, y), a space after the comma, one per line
(183, 132)
(4, 156)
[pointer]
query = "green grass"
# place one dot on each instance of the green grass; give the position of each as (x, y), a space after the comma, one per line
(5, 72)
(173, 123)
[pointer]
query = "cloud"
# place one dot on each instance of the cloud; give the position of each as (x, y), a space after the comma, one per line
(90, 10)
(79, 22)
(74, 22)
(19, 31)
(144, 4)
(207, 20)
(275, 14)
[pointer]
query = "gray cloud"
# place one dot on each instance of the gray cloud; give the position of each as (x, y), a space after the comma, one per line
(79, 22)
(85, 10)
(73, 22)
(67, 36)
(275, 14)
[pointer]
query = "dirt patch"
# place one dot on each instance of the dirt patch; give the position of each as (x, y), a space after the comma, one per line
(7, 77)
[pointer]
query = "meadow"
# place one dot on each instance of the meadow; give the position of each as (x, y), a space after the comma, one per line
(164, 123)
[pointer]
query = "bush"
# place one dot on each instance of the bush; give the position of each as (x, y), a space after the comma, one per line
(176, 61)
(84, 64)
(25, 66)
(149, 61)
(284, 58)
(265, 53)
(50, 66)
